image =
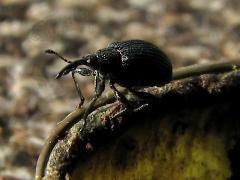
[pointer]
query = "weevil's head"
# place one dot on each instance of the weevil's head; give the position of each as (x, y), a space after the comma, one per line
(89, 61)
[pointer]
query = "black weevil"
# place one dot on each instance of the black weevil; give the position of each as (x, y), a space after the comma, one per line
(132, 63)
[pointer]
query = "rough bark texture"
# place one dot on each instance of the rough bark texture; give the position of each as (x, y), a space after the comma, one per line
(192, 130)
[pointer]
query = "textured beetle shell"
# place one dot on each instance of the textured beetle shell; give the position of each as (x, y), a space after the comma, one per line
(143, 64)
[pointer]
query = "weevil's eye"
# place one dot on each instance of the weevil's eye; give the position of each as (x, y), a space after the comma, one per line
(92, 61)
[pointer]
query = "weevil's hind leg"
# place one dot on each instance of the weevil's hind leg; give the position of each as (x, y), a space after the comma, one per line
(145, 96)
(128, 107)
(99, 88)
(119, 96)
(82, 99)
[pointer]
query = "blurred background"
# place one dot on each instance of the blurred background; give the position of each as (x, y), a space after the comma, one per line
(32, 101)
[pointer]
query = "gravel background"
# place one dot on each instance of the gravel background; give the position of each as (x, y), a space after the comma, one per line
(31, 100)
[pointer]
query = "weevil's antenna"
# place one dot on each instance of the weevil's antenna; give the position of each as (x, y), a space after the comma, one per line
(49, 51)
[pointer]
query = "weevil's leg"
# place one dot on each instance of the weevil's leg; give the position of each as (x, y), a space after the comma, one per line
(143, 95)
(120, 97)
(82, 99)
(128, 107)
(99, 82)
(83, 72)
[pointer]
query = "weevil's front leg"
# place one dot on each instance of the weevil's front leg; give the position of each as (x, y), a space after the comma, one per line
(82, 99)
(83, 72)
(99, 83)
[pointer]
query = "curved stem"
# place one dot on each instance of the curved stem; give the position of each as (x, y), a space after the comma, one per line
(65, 124)
(198, 69)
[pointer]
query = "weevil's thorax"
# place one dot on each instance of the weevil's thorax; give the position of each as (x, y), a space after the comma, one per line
(109, 60)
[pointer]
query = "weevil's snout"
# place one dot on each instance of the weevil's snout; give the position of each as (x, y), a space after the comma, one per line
(63, 72)
(90, 61)
(58, 75)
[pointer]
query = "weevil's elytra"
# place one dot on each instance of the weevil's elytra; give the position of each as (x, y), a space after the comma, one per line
(129, 63)
(142, 63)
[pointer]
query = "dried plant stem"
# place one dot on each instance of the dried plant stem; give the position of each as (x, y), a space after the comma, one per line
(77, 114)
